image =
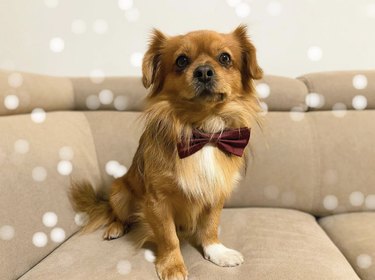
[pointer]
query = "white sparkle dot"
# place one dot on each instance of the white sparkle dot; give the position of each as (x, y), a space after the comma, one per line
(21, 146)
(51, 3)
(49, 219)
(121, 103)
(339, 110)
(64, 167)
(106, 96)
(132, 14)
(364, 261)
(6, 232)
(263, 90)
(40, 239)
(100, 26)
(371, 10)
(243, 10)
(38, 115)
(92, 102)
(370, 201)
(359, 81)
(66, 153)
(274, 8)
(359, 102)
(57, 235)
(264, 106)
(115, 169)
(297, 114)
(125, 4)
(78, 26)
(136, 59)
(149, 255)
(356, 198)
(314, 100)
(15, 80)
(57, 44)
(271, 192)
(233, 3)
(97, 76)
(39, 174)
(314, 53)
(330, 202)
(81, 219)
(124, 267)
(11, 102)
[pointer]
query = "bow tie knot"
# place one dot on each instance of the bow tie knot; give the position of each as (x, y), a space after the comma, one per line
(232, 141)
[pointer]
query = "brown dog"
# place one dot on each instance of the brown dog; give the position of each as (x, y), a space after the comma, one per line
(200, 108)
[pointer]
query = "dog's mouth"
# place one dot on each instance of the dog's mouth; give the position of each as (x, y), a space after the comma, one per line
(211, 96)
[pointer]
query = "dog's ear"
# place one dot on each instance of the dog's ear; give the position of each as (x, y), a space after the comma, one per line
(250, 68)
(152, 60)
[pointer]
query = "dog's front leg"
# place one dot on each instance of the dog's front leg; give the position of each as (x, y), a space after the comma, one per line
(169, 261)
(207, 237)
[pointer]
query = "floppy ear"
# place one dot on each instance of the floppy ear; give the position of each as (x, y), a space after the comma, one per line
(152, 59)
(250, 68)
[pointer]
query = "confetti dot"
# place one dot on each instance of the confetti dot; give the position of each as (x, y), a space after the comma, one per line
(263, 90)
(356, 198)
(6, 232)
(106, 96)
(78, 26)
(359, 102)
(243, 10)
(15, 80)
(100, 26)
(64, 167)
(364, 261)
(57, 235)
(132, 14)
(92, 102)
(314, 100)
(121, 103)
(40, 239)
(339, 110)
(21, 146)
(297, 114)
(39, 174)
(115, 169)
(359, 81)
(57, 45)
(11, 102)
(370, 201)
(66, 153)
(330, 202)
(125, 4)
(124, 267)
(49, 219)
(97, 76)
(136, 59)
(233, 3)
(371, 10)
(81, 219)
(149, 256)
(274, 8)
(271, 192)
(38, 115)
(51, 3)
(314, 53)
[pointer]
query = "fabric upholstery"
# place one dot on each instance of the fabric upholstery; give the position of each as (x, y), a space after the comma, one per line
(276, 244)
(353, 234)
(28, 193)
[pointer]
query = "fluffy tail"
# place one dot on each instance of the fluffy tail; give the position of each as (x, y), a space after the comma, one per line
(84, 199)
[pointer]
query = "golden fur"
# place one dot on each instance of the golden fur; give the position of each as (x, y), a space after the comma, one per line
(165, 196)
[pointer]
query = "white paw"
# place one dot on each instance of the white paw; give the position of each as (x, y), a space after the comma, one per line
(222, 256)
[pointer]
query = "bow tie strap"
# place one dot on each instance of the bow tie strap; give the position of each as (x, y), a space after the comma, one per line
(232, 141)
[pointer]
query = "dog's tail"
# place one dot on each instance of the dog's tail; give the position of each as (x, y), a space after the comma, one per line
(95, 207)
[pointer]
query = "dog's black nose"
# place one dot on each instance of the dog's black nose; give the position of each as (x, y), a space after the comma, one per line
(204, 73)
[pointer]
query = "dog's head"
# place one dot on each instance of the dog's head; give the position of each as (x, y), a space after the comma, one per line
(201, 66)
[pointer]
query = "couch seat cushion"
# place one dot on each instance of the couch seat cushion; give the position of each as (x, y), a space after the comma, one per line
(354, 234)
(276, 243)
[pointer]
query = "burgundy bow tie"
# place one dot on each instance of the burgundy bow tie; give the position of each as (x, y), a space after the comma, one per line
(232, 141)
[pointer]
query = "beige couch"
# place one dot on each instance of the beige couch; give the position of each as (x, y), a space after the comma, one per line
(302, 211)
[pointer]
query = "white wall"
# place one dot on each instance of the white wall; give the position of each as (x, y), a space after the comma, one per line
(283, 31)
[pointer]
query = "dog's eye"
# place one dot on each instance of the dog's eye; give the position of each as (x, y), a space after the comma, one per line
(182, 61)
(224, 58)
